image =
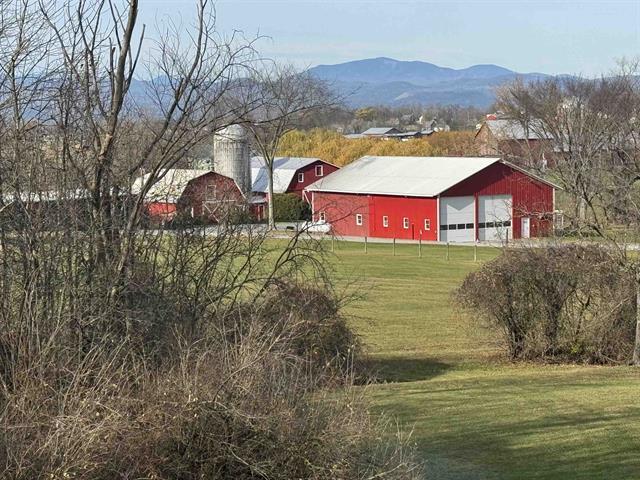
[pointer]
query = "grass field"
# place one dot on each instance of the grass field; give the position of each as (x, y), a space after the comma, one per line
(475, 416)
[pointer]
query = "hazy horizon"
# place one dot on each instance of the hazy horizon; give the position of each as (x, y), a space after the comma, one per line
(525, 36)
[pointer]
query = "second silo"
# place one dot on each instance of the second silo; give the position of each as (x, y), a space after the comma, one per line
(231, 156)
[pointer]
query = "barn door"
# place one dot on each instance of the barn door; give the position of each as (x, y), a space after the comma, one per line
(457, 219)
(525, 227)
(494, 217)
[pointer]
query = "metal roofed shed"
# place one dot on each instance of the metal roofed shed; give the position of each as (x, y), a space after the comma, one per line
(284, 169)
(170, 187)
(407, 176)
(290, 174)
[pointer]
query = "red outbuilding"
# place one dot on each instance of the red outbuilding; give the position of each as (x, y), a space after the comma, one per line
(457, 199)
(196, 193)
(290, 174)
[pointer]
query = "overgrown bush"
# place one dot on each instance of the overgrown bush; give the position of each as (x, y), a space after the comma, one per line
(566, 302)
(217, 361)
(132, 353)
(312, 318)
(289, 207)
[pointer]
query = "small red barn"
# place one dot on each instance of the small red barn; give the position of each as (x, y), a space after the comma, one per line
(290, 174)
(196, 193)
(457, 199)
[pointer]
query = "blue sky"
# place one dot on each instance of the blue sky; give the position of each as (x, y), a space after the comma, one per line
(547, 36)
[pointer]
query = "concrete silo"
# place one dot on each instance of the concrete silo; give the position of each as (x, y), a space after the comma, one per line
(232, 157)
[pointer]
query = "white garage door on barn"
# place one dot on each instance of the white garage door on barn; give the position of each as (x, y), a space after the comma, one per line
(495, 217)
(457, 219)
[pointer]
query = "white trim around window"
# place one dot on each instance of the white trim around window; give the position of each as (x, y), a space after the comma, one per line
(321, 216)
(300, 177)
(427, 224)
(385, 221)
(405, 223)
(319, 170)
(358, 219)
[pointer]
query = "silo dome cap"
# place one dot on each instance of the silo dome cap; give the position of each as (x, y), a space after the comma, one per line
(233, 132)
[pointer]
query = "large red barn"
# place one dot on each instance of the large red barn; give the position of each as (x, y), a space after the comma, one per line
(457, 199)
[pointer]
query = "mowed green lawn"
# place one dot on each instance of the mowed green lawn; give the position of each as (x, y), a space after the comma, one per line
(474, 415)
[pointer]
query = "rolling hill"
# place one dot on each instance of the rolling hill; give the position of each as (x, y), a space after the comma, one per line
(389, 82)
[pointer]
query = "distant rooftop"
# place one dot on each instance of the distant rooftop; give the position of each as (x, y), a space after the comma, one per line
(508, 129)
(381, 131)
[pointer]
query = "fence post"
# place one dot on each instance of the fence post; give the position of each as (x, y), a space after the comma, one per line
(420, 245)
(447, 250)
(365, 244)
(394, 246)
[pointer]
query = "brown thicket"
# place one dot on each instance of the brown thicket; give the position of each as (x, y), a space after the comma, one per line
(132, 353)
(560, 303)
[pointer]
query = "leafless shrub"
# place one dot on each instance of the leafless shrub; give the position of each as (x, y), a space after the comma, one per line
(568, 302)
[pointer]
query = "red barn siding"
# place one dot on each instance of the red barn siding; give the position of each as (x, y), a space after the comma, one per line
(340, 210)
(161, 211)
(309, 176)
(531, 197)
(397, 208)
(211, 196)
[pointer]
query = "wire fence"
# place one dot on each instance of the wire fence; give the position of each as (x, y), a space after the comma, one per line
(396, 247)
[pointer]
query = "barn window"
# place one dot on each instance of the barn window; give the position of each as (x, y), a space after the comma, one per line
(300, 177)
(427, 224)
(359, 219)
(319, 171)
(385, 221)
(469, 225)
(405, 223)
(321, 216)
(210, 192)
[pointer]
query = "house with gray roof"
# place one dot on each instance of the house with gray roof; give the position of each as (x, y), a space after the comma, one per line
(524, 144)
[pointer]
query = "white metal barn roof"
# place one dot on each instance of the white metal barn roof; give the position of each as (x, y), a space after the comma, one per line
(170, 187)
(406, 176)
(284, 168)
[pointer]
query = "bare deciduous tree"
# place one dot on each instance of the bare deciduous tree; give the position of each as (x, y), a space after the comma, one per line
(594, 127)
(289, 98)
(153, 353)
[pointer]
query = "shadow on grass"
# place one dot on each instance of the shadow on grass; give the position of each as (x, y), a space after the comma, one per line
(405, 369)
(482, 428)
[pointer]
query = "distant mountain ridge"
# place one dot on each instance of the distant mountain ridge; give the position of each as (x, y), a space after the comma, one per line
(389, 82)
